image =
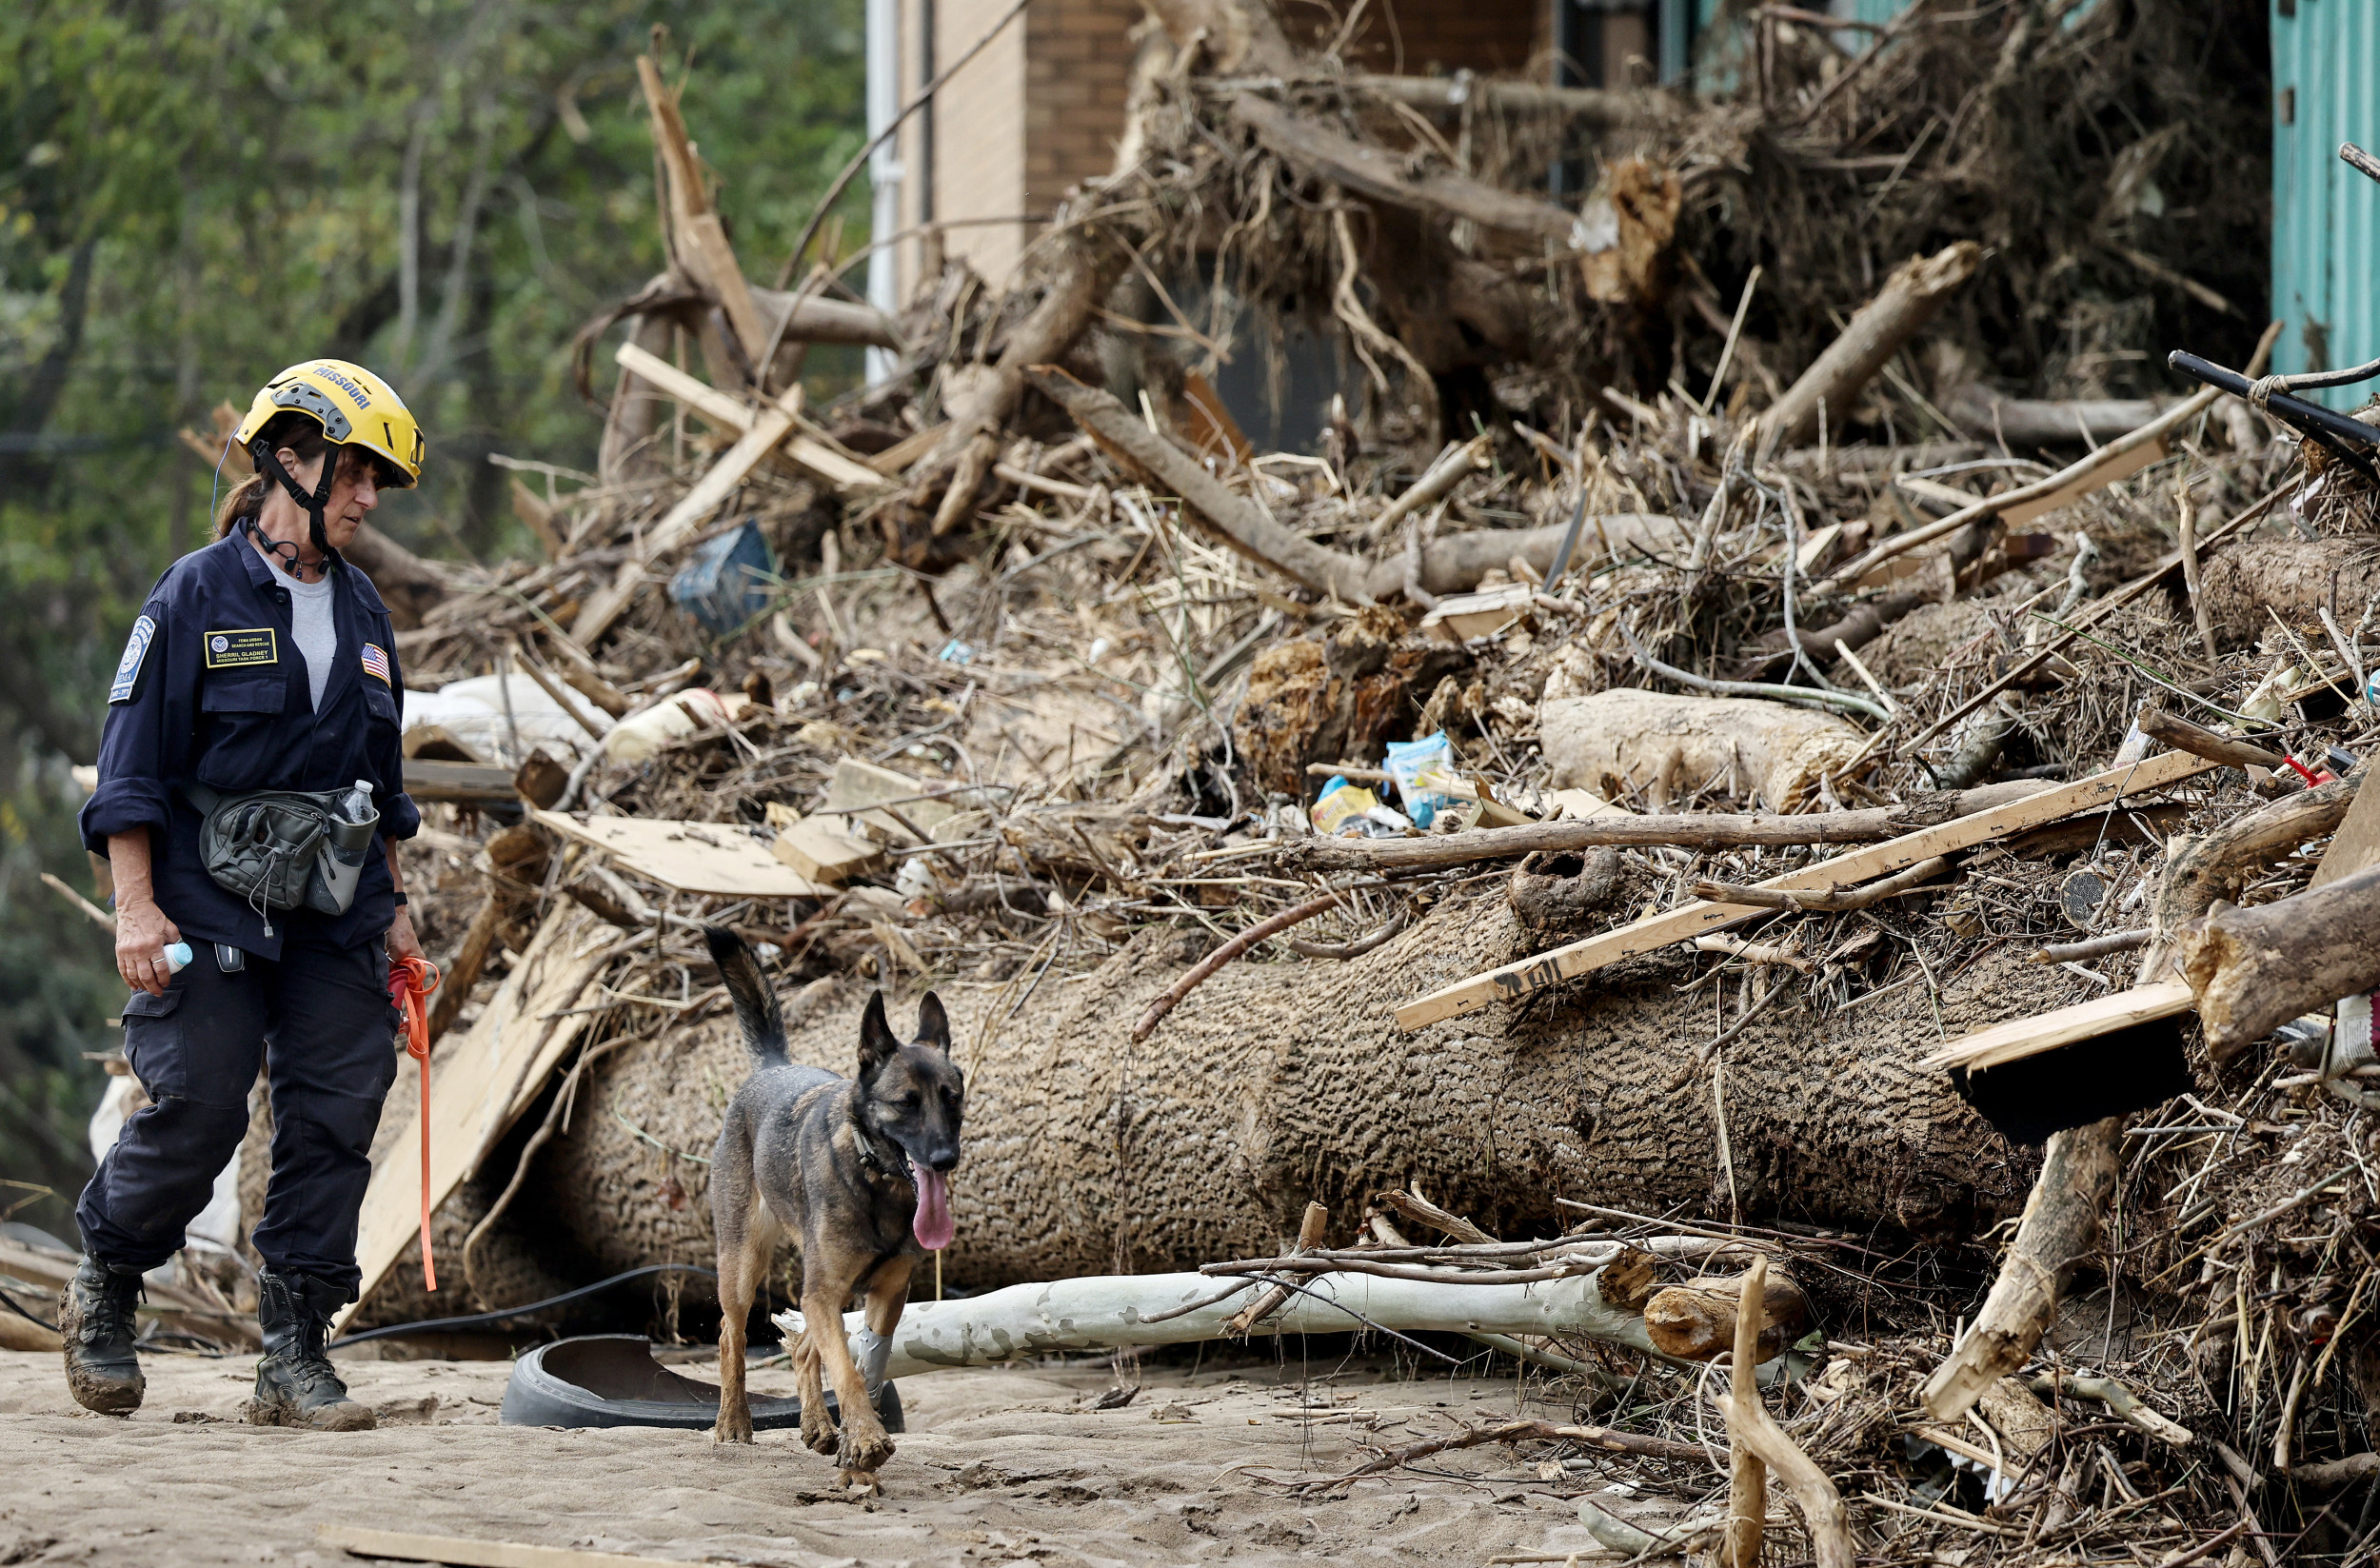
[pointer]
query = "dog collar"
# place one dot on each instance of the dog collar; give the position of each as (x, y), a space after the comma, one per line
(869, 1156)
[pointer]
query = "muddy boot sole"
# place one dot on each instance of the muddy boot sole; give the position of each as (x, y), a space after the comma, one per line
(94, 1390)
(346, 1416)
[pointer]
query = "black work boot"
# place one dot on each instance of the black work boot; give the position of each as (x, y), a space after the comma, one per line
(295, 1383)
(95, 1320)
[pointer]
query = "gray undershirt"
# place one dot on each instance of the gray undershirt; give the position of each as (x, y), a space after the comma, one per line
(315, 632)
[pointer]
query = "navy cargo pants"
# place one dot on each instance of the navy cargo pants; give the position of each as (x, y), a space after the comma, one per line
(318, 1020)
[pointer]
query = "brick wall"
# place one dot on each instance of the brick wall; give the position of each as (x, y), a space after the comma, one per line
(1077, 65)
(1042, 108)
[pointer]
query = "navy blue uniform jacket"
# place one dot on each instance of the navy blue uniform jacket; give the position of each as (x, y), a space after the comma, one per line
(212, 688)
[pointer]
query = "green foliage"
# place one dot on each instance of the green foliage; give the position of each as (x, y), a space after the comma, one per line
(193, 195)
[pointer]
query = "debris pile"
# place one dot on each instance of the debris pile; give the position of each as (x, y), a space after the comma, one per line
(1707, 840)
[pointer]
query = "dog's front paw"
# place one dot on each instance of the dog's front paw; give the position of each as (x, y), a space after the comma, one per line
(733, 1425)
(864, 1449)
(818, 1431)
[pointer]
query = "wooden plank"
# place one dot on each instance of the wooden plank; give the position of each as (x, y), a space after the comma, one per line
(691, 856)
(2355, 845)
(687, 518)
(2025, 1037)
(426, 780)
(406, 1546)
(729, 413)
(480, 1084)
(2120, 465)
(1691, 919)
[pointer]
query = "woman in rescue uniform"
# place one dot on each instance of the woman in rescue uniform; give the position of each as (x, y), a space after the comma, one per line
(262, 662)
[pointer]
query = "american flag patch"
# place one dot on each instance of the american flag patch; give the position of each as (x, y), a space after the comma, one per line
(376, 663)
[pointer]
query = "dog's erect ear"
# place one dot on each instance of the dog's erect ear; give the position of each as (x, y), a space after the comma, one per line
(877, 1044)
(933, 1023)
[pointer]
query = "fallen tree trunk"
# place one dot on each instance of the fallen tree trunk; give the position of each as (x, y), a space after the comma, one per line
(2246, 585)
(1900, 310)
(1286, 1082)
(1698, 830)
(2255, 969)
(1119, 1311)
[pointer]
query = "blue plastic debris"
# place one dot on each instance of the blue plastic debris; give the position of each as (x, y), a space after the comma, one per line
(956, 652)
(727, 581)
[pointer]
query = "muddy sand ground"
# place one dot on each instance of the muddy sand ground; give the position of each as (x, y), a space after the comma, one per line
(999, 1466)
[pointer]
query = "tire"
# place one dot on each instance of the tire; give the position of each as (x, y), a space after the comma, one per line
(611, 1379)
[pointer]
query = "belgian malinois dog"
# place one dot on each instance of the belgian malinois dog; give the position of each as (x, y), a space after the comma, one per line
(856, 1171)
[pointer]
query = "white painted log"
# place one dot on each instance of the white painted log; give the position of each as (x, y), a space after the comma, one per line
(1110, 1312)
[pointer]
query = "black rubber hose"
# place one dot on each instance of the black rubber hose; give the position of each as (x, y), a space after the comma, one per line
(480, 1319)
(11, 1301)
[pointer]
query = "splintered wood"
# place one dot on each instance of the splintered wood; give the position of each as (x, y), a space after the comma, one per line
(481, 1082)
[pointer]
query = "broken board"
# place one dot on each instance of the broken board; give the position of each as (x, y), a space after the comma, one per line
(717, 858)
(2023, 1037)
(2032, 1077)
(1459, 617)
(480, 1084)
(1693, 919)
(826, 854)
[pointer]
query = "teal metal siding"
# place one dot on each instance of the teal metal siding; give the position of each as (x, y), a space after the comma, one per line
(2325, 217)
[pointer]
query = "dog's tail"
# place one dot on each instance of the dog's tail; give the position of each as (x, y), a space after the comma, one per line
(756, 1009)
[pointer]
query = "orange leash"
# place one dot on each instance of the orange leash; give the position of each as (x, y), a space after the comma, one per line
(411, 980)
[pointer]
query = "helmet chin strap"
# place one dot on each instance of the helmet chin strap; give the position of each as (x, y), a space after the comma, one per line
(313, 502)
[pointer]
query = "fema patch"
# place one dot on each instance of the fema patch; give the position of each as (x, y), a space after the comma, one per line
(376, 663)
(129, 667)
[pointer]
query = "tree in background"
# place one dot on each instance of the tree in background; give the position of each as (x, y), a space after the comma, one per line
(193, 195)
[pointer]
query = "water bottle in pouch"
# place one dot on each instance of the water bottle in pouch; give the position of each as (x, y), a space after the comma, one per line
(346, 845)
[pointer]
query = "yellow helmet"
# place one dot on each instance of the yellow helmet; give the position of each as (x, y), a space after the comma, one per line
(353, 407)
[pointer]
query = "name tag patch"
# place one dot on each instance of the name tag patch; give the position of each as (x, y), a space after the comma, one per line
(376, 663)
(129, 667)
(236, 649)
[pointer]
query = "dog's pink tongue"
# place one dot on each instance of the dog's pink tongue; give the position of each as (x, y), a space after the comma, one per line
(932, 1225)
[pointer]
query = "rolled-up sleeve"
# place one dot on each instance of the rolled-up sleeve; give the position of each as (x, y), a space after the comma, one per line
(137, 752)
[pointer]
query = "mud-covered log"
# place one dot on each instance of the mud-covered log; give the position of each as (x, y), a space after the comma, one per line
(2248, 583)
(2255, 969)
(1277, 1083)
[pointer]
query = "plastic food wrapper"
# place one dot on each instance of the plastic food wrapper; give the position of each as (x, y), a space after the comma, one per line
(1342, 811)
(1423, 769)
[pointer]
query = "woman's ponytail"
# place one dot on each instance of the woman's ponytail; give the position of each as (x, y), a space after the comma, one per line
(296, 431)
